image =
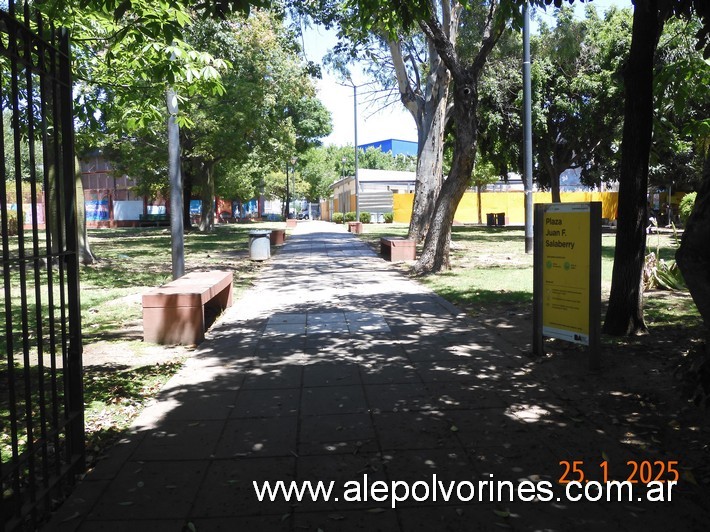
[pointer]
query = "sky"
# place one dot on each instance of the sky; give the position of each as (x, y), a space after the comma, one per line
(375, 124)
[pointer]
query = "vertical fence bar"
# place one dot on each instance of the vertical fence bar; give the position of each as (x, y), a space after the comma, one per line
(36, 262)
(28, 422)
(44, 402)
(74, 371)
(45, 70)
(9, 324)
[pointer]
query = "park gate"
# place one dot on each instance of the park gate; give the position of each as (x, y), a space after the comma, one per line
(41, 393)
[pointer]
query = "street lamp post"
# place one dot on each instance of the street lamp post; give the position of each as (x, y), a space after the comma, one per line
(293, 175)
(357, 184)
(288, 194)
(527, 131)
(342, 203)
(357, 179)
(287, 207)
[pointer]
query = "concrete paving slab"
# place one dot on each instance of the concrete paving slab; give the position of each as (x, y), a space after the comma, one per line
(151, 490)
(414, 430)
(258, 437)
(331, 373)
(333, 400)
(270, 402)
(227, 490)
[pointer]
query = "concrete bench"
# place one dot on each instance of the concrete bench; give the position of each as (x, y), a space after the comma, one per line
(175, 313)
(398, 248)
(355, 227)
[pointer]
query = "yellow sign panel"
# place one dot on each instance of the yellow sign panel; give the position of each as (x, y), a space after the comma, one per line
(565, 263)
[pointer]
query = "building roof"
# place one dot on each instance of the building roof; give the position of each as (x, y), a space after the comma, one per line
(393, 146)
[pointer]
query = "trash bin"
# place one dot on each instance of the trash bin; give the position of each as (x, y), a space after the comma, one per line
(278, 237)
(490, 219)
(259, 245)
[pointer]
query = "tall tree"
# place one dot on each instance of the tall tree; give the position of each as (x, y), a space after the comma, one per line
(579, 95)
(693, 256)
(682, 101)
(625, 311)
(425, 96)
(403, 59)
(269, 109)
(490, 20)
(265, 112)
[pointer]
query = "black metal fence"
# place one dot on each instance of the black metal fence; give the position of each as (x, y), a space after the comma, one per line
(41, 394)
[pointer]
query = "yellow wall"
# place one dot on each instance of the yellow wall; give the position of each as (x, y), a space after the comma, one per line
(510, 203)
(402, 207)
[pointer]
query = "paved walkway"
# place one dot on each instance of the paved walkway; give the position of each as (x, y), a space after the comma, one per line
(335, 367)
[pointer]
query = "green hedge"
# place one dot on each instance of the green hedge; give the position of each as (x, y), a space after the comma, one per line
(338, 217)
(686, 206)
(365, 217)
(389, 217)
(350, 216)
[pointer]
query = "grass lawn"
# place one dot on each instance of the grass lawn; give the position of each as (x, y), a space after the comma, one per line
(131, 261)
(491, 274)
(121, 372)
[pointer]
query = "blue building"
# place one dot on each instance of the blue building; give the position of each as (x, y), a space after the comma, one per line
(395, 146)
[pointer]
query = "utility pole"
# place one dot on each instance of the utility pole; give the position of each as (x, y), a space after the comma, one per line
(357, 183)
(527, 131)
(177, 232)
(288, 195)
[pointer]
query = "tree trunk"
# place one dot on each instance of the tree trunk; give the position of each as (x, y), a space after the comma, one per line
(693, 256)
(427, 105)
(207, 196)
(85, 254)
(625, 312)
(554, 175)
(430, 160)
(55, 215)
(435, 255)
(555, 185)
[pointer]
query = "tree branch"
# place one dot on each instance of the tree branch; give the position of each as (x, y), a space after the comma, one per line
(491, 34)
(407, 94)
(433, 30)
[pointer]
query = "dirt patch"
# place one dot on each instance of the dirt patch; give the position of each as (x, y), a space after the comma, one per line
(131, 354)
(652, 392)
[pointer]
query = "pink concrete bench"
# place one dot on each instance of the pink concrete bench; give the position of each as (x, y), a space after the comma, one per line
(175, 312)
(398, 248)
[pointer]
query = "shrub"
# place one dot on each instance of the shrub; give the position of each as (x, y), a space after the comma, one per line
(365, 217)
(658, 273)
(350, 216)
(389, 217)
(686, 206)
(338, 217)
(12, 227)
